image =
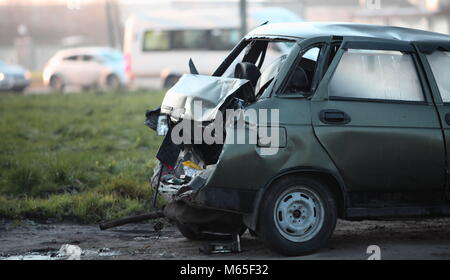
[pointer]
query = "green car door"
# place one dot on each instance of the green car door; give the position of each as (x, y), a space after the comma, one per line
(435, 58)
(375, 116)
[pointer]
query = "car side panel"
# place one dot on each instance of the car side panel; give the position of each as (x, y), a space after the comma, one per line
(242, 166)
(388, 153)
(386, 148)
(442, 108)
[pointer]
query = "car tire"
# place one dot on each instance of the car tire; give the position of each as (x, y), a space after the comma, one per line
(113, 83)
(57, 84)
(193, 232)
(297, 216)
(19, 90)
(87, 88)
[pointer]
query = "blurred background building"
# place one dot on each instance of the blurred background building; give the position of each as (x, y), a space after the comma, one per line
(33, 30)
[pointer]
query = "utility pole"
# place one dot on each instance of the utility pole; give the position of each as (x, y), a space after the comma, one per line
(243, 14)
(110, 25)
(118, 22)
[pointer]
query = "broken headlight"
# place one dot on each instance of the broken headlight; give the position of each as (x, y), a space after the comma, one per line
(162, 126)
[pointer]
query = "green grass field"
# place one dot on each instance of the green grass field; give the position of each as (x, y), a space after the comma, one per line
(76, 157)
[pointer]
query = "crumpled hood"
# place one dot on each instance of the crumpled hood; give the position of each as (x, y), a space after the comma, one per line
(180, 100)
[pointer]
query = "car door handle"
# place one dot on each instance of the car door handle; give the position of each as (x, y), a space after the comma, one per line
(331, 116)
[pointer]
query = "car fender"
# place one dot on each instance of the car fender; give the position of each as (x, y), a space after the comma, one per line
(55, 74)
(104, 75)
(251, 220)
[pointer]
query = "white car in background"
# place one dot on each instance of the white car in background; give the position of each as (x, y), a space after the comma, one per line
(93, 67)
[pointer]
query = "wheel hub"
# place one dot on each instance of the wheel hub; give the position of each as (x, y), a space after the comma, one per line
(298, 214)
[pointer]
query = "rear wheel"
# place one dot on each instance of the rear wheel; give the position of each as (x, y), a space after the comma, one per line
(113, 83)
(19, 89)
(298, 216)
(57, 84)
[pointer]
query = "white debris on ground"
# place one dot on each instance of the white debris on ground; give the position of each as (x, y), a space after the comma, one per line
(144, 238)
(70, 252)
(66, 252)
(103, 252)
(33, 256)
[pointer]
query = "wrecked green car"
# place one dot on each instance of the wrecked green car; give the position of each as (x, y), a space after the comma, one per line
(304, 123)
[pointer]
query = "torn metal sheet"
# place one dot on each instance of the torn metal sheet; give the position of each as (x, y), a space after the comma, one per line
(211, 91)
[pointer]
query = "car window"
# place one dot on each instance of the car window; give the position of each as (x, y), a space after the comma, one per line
(156, 40)
(440, 64)
(71, 58)
(86, 58)
(270, 72)
(229, 73)
(281, 47)
(188, 39)
(203, 39)
(374, 74)
(302, 77)
(312, 54)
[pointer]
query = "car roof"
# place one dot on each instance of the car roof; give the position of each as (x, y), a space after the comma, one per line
(306, 30)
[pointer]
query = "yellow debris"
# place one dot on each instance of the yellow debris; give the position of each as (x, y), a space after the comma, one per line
(191, 165)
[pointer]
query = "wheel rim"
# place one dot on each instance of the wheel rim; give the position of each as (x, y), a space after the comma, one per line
(56, 83)
(113, 82)
(299, 214)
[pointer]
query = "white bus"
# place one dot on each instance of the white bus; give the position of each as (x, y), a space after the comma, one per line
(158, 45)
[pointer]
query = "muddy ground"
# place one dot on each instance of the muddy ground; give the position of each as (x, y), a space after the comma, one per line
(411, 239)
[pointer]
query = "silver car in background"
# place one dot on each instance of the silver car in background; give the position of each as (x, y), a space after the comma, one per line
(88, 68)
(13, 77)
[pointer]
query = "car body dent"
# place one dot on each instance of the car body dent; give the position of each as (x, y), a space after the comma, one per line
(302, 151)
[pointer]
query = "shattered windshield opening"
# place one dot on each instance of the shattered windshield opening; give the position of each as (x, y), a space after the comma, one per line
(259, 62)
